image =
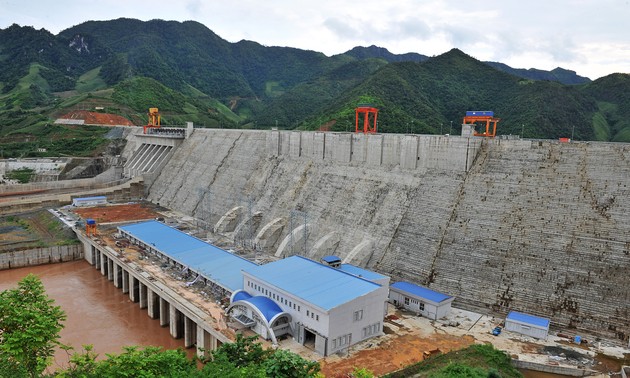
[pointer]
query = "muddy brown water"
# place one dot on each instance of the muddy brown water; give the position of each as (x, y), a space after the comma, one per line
(98, 313)
(101, 315)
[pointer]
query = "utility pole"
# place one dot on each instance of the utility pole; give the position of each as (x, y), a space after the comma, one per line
(522, 130)
(572, 131)
(450, 131)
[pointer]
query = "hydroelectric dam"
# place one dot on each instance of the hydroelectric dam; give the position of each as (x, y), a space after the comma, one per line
(536, 226)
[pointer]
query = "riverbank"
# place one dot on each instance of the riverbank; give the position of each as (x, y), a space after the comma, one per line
(98, 313)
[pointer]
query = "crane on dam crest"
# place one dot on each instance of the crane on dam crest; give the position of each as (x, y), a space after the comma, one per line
(478, 119)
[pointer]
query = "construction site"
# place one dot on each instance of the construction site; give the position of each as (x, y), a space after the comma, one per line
(501, 224)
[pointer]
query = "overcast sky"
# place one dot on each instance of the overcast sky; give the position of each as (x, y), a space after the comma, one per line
(591, 37)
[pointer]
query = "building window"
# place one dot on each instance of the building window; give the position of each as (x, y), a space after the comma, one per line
(299, 309)
(342, 341)
(358, 315)
(407, 301)
(308, 312)
(421, 306)
(317, 317)
(371, 329)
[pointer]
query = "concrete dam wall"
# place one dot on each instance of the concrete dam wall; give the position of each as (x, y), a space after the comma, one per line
(528, 225)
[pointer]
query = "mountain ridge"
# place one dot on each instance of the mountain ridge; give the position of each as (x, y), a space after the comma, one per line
(217, 83)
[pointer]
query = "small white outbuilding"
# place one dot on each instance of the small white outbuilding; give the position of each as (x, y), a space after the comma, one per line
(528, 325)
(426, 302)
(89, 201)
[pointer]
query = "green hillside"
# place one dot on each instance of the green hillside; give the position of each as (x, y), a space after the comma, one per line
(126, 66)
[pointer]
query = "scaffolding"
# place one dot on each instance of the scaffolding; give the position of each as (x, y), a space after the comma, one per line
(297, 217)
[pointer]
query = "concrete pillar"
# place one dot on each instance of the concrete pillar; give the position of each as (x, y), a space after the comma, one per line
(110, 269)
(134, 289)
(153, 304)
(97, 258)
(164, 312)
(176, 322)
(116, 274)
(125, 281)
(190, 333)
(206, 343)
(103, 263)
(90, 253)
(143, 295)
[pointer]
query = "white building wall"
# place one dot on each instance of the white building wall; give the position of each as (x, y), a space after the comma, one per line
(526, 329)
(343, 323)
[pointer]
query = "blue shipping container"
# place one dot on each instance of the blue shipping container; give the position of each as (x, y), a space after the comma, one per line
(479, 113)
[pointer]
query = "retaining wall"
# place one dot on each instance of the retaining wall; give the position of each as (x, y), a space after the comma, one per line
(553, 369)
(39, 256)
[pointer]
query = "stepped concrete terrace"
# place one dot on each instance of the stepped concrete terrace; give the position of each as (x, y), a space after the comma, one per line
(526, 225)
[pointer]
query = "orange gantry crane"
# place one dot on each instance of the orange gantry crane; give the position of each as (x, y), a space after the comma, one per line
(370, 114)
(154, 119)
(484, 117)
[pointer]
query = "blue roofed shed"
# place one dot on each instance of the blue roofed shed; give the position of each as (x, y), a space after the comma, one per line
(528, 325)
(213, 263)
(420, 299)
(89, 201)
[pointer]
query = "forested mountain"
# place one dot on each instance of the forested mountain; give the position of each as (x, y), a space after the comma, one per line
(557, 74)
(192, 74)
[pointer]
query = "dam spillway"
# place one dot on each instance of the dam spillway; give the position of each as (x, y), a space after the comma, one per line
(530, 225)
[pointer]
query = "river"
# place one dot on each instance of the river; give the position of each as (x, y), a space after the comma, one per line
(101, 315)
(98, 313)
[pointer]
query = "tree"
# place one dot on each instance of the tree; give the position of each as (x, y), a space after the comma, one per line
(29, 327)
(244, 351)
(286, 364)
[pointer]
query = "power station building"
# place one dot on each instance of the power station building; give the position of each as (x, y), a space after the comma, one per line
(322, 307)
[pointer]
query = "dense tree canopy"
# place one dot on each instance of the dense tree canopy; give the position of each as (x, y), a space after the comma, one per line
(29, 328)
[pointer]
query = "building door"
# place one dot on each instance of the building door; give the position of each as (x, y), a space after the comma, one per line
(309, 339)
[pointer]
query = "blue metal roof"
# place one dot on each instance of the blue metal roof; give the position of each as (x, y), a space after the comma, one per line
(267, 307)
(529, 319)
(315, 283)
(420, 291)
(331, 259)
(214, 263)
(90, 198)
(360, 272)
(240, 295)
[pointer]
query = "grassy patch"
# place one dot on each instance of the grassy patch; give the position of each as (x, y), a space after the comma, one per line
(33, 78)
(273, 89)
(22, 175)
(601, 129)
(623, 135)
(90, 81)
(479, 360)
(73, 100)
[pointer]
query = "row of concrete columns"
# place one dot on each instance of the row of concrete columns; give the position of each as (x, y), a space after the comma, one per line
(157, 307)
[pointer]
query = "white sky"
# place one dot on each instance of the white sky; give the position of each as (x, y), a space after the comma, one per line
(591, 37)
